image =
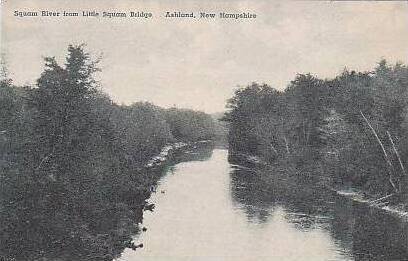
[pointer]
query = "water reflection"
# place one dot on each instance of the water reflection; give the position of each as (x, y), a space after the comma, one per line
(379, 237)
(214, 211)
(251, 195)
(82, 227)
(210, 209)
(357, 232)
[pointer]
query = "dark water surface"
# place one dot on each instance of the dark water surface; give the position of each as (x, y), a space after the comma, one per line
(209, 209)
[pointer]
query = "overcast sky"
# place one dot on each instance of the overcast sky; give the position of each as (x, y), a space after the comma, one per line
(199, 63)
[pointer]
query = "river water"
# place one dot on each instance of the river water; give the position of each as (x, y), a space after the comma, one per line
(210, 209)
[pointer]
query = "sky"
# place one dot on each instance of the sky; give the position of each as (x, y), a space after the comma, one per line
(196, 63)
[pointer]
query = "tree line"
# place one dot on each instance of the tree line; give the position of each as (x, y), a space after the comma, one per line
(349, 132)
(72, 176)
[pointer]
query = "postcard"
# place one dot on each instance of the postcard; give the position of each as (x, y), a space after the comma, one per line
(203, 130)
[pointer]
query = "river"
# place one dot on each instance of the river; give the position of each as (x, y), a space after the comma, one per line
(210, 209)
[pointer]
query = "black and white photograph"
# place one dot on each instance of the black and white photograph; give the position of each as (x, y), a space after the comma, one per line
(212, 130)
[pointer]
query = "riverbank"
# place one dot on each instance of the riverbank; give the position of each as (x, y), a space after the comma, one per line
(229, 207)
(164, 153)
(163, 156)
(394, 208)
(153, 171)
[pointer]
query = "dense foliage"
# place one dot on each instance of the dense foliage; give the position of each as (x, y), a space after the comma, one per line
(73, 185)
(350, 131)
